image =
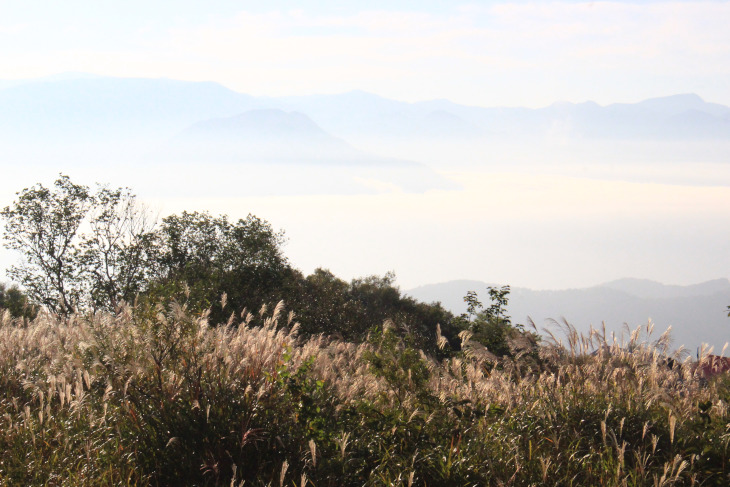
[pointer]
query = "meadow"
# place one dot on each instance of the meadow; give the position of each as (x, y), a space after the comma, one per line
(158, 395)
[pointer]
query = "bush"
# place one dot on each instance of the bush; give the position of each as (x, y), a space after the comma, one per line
(16, 302)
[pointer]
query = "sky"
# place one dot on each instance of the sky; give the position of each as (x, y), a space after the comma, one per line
(543, 231)
(481, 53)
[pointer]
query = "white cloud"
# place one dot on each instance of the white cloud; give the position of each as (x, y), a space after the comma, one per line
(524, 53)
(543, 51)
(535, 230)
(13, 29)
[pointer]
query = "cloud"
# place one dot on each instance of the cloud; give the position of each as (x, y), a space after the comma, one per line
(537, 230)
(506, 53)
(410, 54)
(676, 35)
(13, 29)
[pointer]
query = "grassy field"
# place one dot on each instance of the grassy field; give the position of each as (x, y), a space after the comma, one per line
(157, 396)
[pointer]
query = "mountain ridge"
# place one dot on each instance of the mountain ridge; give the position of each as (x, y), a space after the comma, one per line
(267, 134)
(53, 102)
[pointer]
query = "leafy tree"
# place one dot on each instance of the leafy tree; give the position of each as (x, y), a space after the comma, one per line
(323, 305)
(327, 304)
(491, 327)
(473, 305)
(200, 242)
(205, 257)
(64, 267)
(15, 301)
(42, 224)
(497, 311)
(116, 253)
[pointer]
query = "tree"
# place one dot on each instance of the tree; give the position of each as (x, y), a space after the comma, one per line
(64, 268)
(492, 327)
(116, 253)
(205, 257)
(42, 224)
(15, 301)
(327, 304)
(497, 311)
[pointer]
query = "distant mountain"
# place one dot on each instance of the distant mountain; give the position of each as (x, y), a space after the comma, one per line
(362, 114)
(77, 118)
(697, 313)
(143, 123)
(684, 116)
(82, 108)
(679, 104)
(646, 289)
(291, 146)
(263, 135)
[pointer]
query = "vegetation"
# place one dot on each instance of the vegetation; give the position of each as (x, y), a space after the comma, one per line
(201, 257)
(492, 327)
(135, 398)
(133, 361)
(65, 269)
(16, 302)
(90, 250)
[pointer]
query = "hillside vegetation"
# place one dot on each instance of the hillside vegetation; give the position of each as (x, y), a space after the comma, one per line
(136, 355)
(158, 396)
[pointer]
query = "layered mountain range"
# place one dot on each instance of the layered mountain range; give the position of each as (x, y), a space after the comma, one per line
(100, 106)
(366, 141)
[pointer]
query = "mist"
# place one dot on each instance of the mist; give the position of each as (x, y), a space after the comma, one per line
(564, 197)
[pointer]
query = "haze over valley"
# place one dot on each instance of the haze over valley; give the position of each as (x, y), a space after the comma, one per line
(569, 195)
(545, 145)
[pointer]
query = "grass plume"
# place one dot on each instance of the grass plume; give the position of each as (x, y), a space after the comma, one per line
(157, 396)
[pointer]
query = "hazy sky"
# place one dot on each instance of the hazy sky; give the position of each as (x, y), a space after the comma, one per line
(524, 228)
(483, 53)
(536, 230)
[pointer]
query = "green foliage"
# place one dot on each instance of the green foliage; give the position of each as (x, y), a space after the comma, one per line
(498, 309)
(473, 305)
(154, 396)
(65, 268)
(329, 305)
(492, 327)
(15, 301)
(395, 360)
(200, 257)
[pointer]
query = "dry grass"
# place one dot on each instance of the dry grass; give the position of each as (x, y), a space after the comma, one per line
(159, 397)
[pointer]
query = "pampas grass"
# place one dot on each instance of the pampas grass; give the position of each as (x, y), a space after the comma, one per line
(158, 396)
